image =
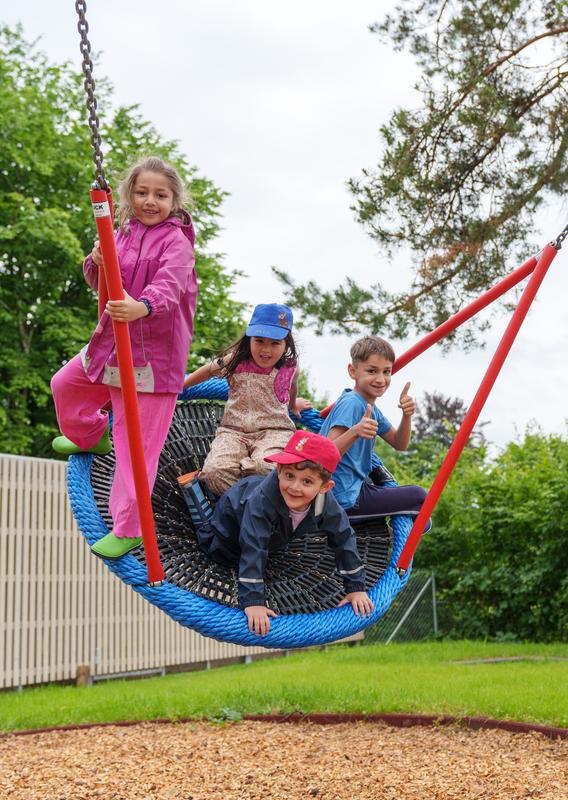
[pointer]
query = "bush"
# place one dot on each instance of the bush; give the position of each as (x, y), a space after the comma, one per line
(499, 542)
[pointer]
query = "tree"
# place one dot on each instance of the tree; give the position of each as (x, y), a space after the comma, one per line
(46, 226)
(499, 543)
(459, 178)
(440, 417)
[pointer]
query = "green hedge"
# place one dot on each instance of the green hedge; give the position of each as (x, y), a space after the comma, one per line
(499, 545)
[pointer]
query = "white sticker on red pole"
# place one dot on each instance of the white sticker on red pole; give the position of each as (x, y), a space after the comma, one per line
(101, 209)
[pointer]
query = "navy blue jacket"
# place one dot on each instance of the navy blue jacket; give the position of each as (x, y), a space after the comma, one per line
(251, 519)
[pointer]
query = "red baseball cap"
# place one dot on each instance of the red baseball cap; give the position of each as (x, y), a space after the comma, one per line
(307, 446)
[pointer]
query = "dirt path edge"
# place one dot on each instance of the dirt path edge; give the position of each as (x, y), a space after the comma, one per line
(395, 720)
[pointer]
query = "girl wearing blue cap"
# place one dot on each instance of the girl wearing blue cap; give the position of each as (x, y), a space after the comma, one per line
(262, 371)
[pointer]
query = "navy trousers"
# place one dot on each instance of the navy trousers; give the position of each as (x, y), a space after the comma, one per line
(383, 501)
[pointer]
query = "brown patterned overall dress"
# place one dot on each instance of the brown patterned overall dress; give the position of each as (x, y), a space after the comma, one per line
(254, 425)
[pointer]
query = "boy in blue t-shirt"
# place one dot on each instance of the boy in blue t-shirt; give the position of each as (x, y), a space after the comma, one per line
(353, 424)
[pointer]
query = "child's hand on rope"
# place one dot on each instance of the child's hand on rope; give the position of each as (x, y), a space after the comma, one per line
(366, 428)
(96, 254)
(258, 619)
(302, 404)
(406, 403)
(127, 310)
(360, 602)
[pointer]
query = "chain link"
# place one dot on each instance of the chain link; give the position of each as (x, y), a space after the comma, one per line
(85, 47)
(557, 243)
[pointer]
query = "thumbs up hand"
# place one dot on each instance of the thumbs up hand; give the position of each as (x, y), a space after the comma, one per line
(406, 403)
(366, 428)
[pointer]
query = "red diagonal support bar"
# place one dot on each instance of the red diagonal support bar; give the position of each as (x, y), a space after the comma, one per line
(105, 229)
(458, 319)
(472, 415)
(466, 313)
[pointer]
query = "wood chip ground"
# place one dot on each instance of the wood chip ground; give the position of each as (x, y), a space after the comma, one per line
(262, 761)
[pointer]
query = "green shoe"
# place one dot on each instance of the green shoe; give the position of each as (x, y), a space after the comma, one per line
(111, 546)
(64, 446)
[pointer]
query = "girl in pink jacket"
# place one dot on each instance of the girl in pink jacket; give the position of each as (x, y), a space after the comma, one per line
(155, 250)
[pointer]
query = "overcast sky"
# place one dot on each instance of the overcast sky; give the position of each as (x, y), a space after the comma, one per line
(280, 104)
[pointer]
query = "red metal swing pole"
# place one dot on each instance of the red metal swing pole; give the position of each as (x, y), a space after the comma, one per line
(472, 415)
(105, 230)
(102, 291)
(466, 313)
(111, 286)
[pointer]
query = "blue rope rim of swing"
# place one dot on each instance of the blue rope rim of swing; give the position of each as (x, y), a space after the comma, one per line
(222, 622)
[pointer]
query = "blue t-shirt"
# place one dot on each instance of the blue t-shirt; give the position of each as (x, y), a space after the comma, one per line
(355, 464)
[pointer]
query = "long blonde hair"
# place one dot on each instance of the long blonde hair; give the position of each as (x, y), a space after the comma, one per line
(181, 196)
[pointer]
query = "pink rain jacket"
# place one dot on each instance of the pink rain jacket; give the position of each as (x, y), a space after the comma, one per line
(157, 263)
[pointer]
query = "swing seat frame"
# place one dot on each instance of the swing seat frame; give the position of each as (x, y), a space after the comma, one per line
(302, 584)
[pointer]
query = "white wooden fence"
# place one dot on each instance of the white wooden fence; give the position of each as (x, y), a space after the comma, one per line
(60, 607)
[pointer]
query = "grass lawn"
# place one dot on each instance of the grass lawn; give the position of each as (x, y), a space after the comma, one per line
(415, 678)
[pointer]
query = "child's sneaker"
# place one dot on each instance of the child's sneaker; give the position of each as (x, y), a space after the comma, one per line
(198, 504)
(113, 547)
(64, 446)
(380, 475)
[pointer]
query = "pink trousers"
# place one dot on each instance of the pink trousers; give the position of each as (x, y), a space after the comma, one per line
(78, 404)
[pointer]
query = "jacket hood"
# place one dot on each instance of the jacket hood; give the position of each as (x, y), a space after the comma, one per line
(186, 225)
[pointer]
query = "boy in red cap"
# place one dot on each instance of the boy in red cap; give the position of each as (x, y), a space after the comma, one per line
(261, 514)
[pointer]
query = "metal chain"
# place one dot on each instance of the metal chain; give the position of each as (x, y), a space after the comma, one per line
(85, 47)
(557, 243)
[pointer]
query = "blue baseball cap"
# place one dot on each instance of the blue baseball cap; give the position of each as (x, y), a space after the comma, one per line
(271, 321)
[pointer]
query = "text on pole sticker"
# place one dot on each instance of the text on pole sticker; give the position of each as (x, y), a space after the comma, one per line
(101, 209)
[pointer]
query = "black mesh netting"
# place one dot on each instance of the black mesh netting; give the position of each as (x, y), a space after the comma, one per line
(300, 579)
